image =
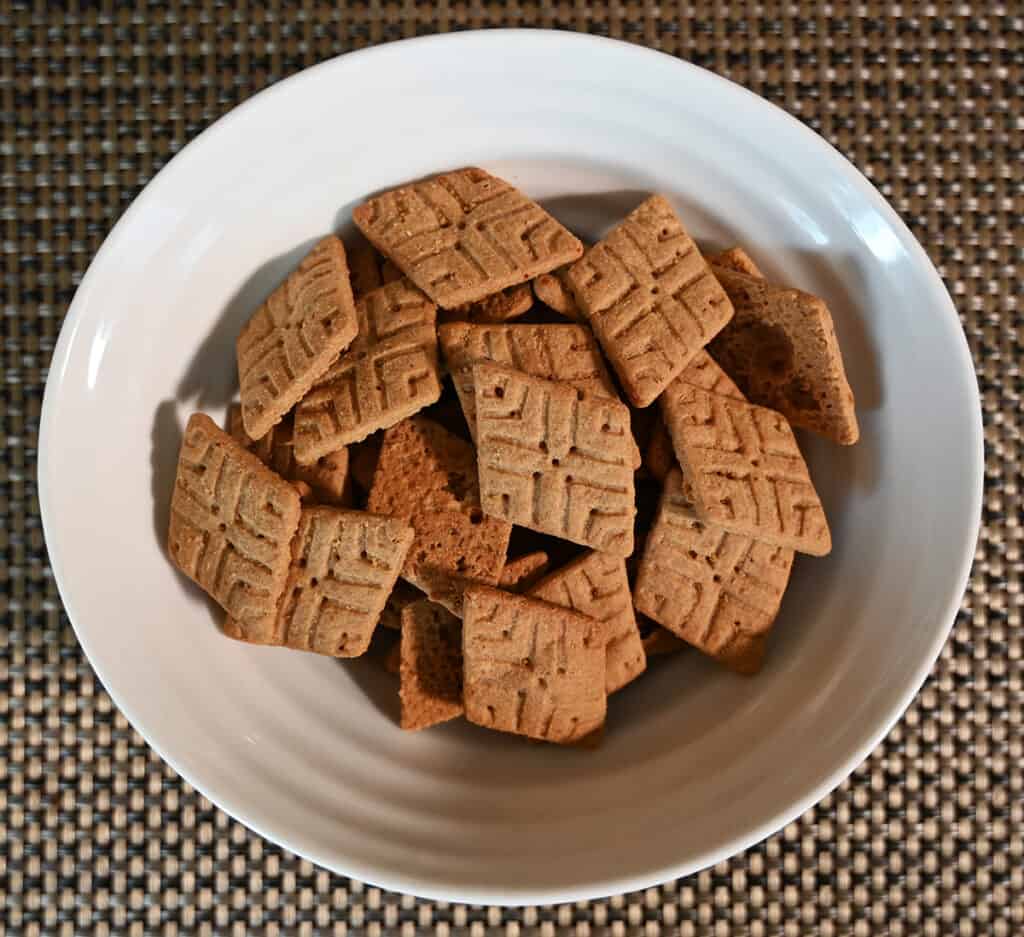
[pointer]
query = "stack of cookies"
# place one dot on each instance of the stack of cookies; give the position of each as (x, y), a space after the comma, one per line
(611, 474)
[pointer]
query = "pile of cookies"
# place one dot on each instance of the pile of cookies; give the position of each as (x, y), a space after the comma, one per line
(536, 530)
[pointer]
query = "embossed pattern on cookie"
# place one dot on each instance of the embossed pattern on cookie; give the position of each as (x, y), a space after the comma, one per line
(555, 460)
(596, 585)
(464, 235)
(566, 353)
(344, 565)
(294, 336)
(650, 298)
(746, 470)
(532, 668)
(389, 372)
(232, 521)
(719, 591)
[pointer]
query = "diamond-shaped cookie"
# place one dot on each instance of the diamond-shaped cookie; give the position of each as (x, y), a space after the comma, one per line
(596, 585)
(532, 668)
(232, 521)
(344, 565)
(746, 469)
(650, 298)
(717, 590)
(388, 373)
(555, 460)
(781, 349)
(294, 336)
(464, 235)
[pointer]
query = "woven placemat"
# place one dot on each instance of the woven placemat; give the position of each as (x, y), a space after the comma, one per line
(98, 836)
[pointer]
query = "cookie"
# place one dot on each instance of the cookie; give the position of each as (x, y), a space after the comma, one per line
(716, 590)
(389, 372)
(555, 460)
(650, 298)
(596, 585)
(703, 372)
(401, 596)
(502, 306)
(344, 565)
(736, 258)
(782, 351)
(746, 469)
(565, 353)
(427, 476)
(553, 290)
(327, 479)
(464, 235)
(532, 668)
(293, 338)
(232, 521)
(431, 666)
(522, 572)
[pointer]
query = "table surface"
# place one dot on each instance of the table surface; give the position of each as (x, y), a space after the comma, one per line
(98, 836)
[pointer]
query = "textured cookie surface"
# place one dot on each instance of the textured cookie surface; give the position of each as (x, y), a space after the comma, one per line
(596, 585)
(327, 477)
(464, 235)
(431, 665)
(232, 521)
(781, 349)
(532, 668)
(428, 477)
(294, 336)
(522, 572)
(565, 353)
(369, 269)
(650, 298)
(746, 470)
(388, 373)
(344, 565)
(554, 462)
(718, 591)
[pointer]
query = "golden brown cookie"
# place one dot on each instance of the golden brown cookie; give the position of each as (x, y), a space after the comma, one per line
(782, 351)
(650, 298)
(502, 306)
(660, 642)
(555, 460)
(428, 477)
(736, 258)
(565, 353)
(718, 591)
(553, 290)
(401, 596)
(532, 668)
(232, 521)
(596, 585)
(746, 470)
(344, 565)
(389, 372)
(431, 666)
(520, 574)
(464, 235)
(327, 478)
(293, 338)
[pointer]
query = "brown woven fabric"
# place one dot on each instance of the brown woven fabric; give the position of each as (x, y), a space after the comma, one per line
(98, 836)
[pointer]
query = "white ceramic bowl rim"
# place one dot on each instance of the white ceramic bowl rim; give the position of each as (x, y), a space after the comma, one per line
(817, 788)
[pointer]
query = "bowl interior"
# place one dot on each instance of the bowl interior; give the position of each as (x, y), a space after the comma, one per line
(697, 763)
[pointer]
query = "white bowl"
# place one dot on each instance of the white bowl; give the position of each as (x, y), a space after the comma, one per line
(697, 763)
